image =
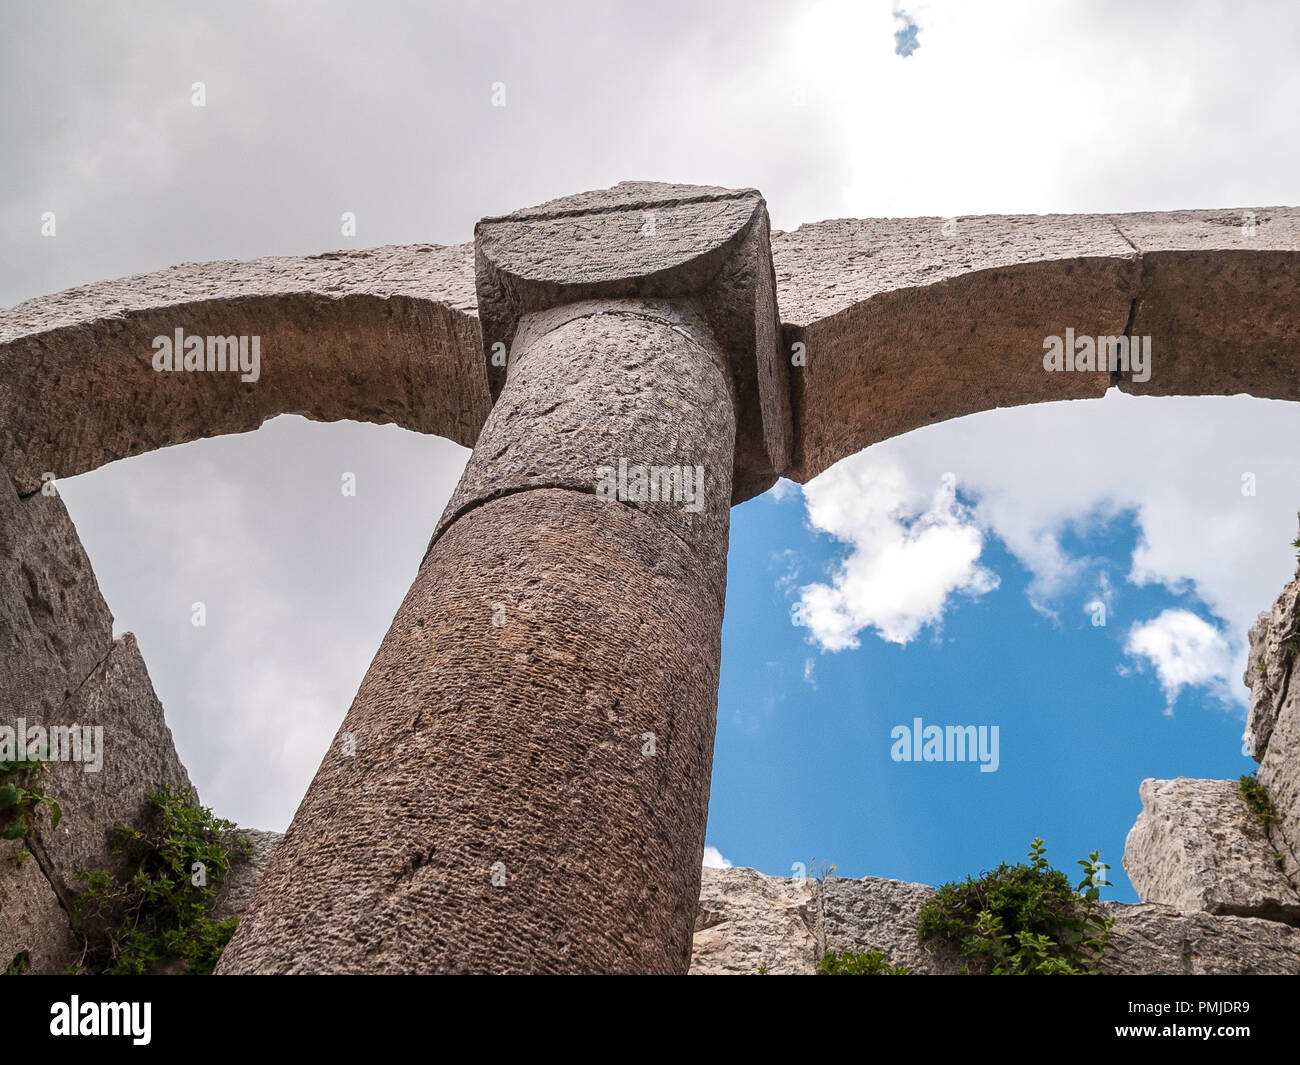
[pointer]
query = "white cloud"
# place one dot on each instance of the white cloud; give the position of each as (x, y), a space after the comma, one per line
(713, 859)
(1046, 476)
(1185, 651)
(783, 490)
(810, 672)
(906, 560)
(299, 581)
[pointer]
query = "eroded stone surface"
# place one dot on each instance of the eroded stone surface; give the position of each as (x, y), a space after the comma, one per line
(1273, 727)
(876, 914)
(603, 382)
(747, 921)
(910, 321)
(54, 626)
(384, 335)
(138, 758)
(654, 242)
(244, 875)
(1274, 646)
(60, 666)
(1220, 298)
(520, 744)
(32, 921)
(1196, 846)
(903, 326)
(1150, 940)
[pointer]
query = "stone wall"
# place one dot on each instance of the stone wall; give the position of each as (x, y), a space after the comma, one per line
(747, 922)
(62, 666)
(1197, 845)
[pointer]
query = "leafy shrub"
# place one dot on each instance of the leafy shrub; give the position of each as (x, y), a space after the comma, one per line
(1022, 919)
(1256, 797)
(21, 796)
(866, 963)
(158, 915)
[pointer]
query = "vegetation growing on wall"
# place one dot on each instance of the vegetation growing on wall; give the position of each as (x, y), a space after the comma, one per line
(1256, 797)
(1022, 919)
(21, 795)
(865, 963)
(158, 916)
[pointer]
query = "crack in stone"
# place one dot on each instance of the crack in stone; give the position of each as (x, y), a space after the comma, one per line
(60, 889)
(502, 493)
(1137, 293)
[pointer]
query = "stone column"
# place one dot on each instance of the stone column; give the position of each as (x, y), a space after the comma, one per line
(522, 782)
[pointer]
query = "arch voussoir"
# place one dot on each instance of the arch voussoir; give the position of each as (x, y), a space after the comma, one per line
(385, 335)
(906, 322)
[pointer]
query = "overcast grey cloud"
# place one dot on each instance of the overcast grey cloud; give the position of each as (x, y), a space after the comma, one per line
(385, 109)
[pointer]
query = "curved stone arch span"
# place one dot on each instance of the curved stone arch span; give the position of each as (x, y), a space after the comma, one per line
(907, 322)
(385, 335)
(902, 323)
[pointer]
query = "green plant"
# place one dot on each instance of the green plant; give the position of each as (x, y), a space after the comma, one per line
(1020, 920)
(21, 795)
(866, 963)
(820, 873)
(159, 914)
(22, 961)
(1256, 797)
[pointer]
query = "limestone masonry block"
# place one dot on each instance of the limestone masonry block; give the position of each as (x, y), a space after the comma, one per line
(1197, 847)
(653, 241)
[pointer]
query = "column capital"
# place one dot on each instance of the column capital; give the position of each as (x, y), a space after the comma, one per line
(643, 239)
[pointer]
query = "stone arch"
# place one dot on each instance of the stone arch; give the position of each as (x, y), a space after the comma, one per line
(385, 335)
(904, 322)
(911, 321)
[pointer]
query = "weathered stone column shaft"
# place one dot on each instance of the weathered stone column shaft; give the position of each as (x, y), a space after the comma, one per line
(522, 781)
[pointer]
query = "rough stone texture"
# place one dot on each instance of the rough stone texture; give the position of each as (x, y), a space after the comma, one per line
(520, 744)
(384, 335)
(1273, 727)
(1222, 307)
(541, 784)
(32, 920)
(876, 914)
(59, 665)
(244, 876)
(613, 610)
(138, 758)
(1196, 846)
(747, 920)
(904, 326)
(54, 626)
(653, 241)
(1273, 650)
(1151, 940)
(595, 382)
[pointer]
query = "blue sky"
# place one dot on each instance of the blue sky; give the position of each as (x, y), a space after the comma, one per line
(802, 761)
